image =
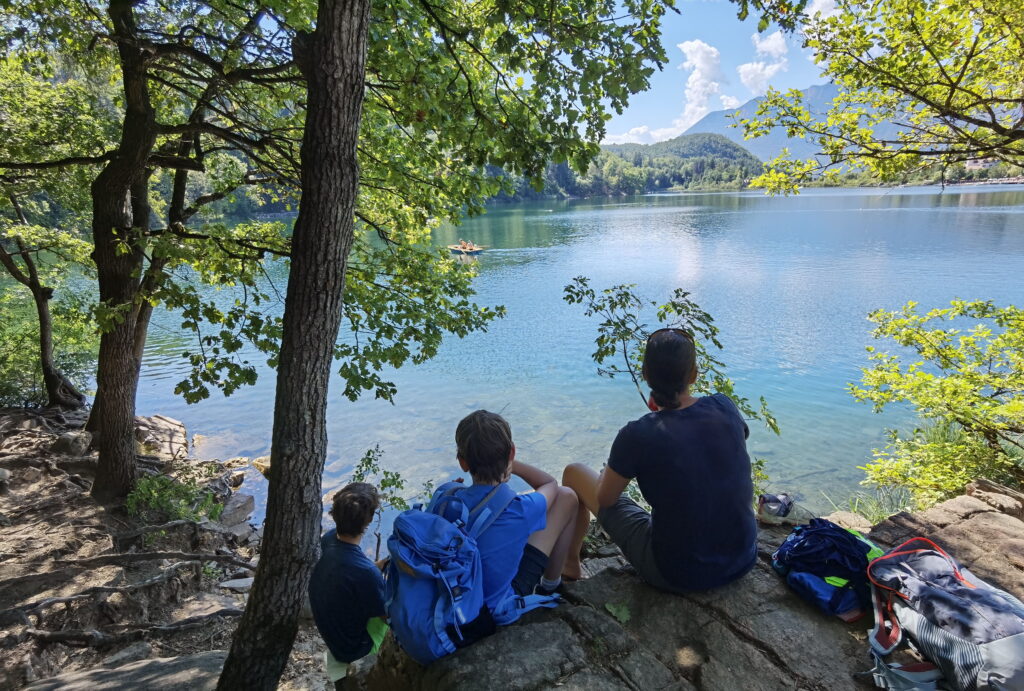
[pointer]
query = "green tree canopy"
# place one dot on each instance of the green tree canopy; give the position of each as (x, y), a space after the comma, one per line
(921, 82)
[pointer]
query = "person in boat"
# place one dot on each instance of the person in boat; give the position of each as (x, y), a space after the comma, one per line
(689, 458)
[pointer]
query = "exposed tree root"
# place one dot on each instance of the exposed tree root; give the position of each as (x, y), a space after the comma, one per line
(99, 639)
(121, 559)
(21, 614)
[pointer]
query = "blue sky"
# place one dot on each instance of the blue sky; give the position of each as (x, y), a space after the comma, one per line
(715, 62)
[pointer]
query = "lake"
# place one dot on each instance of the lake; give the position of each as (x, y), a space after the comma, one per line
(788, 280)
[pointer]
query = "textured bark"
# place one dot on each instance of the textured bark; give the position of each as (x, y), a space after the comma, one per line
(120, 219)
(333, 61)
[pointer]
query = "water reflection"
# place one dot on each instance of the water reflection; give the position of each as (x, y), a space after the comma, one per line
(788, 280)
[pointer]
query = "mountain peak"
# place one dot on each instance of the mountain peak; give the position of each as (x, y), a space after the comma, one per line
(817, 97)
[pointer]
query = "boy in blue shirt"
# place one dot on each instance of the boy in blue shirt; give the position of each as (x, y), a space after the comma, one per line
(525, 548)
(689, 458)
(346, 591)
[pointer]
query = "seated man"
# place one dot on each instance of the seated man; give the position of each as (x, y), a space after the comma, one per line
(346, 591)
(689, 458)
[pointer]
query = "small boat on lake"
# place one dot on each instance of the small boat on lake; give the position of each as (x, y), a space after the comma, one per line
(466, 249)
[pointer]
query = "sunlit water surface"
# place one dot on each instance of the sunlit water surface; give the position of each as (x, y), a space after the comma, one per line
(788, 280)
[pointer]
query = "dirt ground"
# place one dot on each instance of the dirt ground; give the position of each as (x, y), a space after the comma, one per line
(83, 584)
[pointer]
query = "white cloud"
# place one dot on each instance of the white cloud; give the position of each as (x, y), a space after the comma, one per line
(730, 102)
(705, 82)
(637, 135)
(755, 75)
(827, 8)
(772, 45)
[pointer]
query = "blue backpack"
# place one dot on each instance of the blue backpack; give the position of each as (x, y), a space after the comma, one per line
(827, 566)
(434, 582)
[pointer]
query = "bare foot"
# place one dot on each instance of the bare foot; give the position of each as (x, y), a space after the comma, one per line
(572, 571)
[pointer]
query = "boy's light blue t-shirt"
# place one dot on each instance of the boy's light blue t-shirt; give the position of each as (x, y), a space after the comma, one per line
(501, 546)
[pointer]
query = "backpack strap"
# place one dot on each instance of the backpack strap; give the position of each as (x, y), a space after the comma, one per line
(918, 676)
(442, 495)
(886, 634)
(445, 495)
(884, 637)
(512, 608)
(489, 509)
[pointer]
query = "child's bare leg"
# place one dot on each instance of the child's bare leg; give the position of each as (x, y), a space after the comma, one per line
(555, 539)
(582, 480)
(559, 553)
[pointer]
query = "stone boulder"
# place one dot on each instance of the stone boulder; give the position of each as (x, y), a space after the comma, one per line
(162, 437)
(976, 532)
(571, 647)
(237, 509)
(614, 632)
(72, 443)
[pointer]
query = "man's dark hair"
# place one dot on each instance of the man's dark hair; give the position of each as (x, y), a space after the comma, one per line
(669, 362)
(353, 508)
(484, 442)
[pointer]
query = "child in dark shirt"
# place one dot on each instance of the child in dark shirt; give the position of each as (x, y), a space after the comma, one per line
(689, 458)
(346, 591)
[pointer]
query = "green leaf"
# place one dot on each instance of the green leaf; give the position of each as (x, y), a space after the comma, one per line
(620, 611)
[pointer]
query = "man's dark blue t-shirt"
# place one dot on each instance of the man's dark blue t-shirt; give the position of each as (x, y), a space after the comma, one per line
(345, 591)
(693, 469)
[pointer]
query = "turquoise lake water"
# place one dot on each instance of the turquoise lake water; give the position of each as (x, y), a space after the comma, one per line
(788, 280)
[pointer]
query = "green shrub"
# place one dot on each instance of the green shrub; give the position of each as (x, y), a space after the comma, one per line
(158, 498)
(877, 505)
(962, 369)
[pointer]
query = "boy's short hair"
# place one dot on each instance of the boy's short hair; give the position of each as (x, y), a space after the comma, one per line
(353, 507)
(669, 361)
(484, 442)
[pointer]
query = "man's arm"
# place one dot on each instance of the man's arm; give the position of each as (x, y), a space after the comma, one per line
(610, 487)
(543, 483)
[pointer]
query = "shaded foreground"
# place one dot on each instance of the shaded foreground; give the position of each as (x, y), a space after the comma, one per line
(76, 610)
(87, 586)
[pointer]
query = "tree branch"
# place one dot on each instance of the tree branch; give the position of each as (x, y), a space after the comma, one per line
(58, 163)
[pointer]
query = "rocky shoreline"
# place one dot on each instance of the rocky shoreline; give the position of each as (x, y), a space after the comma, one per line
(90, 593)
(91, 597)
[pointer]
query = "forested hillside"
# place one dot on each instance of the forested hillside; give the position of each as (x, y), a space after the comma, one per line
(695, 161)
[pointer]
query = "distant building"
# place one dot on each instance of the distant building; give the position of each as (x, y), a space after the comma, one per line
(980, 163)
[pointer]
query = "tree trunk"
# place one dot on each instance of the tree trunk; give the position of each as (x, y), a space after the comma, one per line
(120, 219)
(333, 61)
(59, 390)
